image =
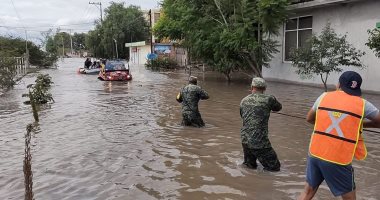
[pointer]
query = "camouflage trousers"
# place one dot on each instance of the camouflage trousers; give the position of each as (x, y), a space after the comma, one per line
(267, 157)
(192, 119)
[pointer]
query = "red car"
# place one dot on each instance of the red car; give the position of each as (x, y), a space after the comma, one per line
(115, 71)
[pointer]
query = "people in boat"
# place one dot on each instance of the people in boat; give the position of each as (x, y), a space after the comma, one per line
(87, 63)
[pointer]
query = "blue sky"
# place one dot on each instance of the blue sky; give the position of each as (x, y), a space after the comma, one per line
(41, 15)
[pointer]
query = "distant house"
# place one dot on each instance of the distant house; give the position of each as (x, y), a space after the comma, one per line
(164, 48)
(138, 52)
(351, 17)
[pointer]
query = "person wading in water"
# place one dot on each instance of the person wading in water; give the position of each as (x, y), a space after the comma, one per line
(338, 118)
(255, 110)
(189, 96)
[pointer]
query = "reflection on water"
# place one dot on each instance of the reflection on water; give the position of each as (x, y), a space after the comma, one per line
(104, 140)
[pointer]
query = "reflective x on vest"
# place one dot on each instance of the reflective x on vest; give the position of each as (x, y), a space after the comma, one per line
(336, 118)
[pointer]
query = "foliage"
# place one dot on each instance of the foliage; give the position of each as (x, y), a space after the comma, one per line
(7, 72)
(15, 47)
(51, 45)
(56, 43)
(161, 64)
(79, 41)
(325, 54)
(123, 24)
(39, 92)
(226, 34)
(374, 41)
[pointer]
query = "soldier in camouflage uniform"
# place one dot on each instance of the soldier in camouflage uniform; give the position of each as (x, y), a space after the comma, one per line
(189, 96)
(255, 110)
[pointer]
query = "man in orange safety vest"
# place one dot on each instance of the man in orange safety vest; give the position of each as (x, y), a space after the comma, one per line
(338, 118)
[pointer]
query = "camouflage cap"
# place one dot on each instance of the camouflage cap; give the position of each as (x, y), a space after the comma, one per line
(258, 82)
(193, 80)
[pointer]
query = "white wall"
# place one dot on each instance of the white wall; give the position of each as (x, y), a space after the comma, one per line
(139, 57)
(353, 19)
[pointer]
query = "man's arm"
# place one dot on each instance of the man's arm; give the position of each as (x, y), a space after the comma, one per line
(276, 105)
(372, 115)
(204, 95)
(373, 123)
(179, 97)
(311, 116)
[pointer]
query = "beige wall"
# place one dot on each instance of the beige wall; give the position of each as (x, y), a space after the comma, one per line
(138, 54)
(353, 19)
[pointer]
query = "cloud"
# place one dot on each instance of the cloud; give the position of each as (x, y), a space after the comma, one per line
(42, 15)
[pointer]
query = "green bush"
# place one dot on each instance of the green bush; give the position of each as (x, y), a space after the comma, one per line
(15, 47)
(374, 41)
(39, 92)
(161, 64)
(7, 73)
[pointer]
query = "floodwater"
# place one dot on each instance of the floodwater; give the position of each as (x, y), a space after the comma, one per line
(103, 140)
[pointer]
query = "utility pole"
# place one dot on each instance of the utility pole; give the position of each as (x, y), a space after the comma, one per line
(100, 8)
(117, 53)
(26, 42)
(151, 34)
(71, 40)
(26, 49)
(63, 46)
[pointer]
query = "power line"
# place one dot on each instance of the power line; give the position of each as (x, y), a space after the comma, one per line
(101, 10)
(14, 7)
(26, 34)
(39, 30)
(51, 26)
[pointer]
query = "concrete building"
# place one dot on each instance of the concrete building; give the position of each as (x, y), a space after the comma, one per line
(351, 17)
(155, 15)
(138, 52)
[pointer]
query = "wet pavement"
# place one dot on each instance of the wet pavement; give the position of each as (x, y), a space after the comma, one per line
(115, 140)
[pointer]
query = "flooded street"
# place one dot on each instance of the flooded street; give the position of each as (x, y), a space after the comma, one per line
(115, 140)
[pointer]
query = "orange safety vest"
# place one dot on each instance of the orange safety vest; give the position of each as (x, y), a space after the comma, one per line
(338, 126)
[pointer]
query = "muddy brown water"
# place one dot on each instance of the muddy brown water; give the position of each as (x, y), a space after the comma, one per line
(103, 140)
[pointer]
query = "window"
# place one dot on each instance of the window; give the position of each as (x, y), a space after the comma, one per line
(156, 17)
(297, 32)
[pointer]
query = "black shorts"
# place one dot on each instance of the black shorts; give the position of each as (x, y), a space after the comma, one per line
(266, 156)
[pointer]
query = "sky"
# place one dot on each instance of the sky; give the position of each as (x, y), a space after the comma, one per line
(37, 16)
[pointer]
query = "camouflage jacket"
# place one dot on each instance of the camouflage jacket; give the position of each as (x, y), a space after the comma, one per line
(255, 110)
(189, 96)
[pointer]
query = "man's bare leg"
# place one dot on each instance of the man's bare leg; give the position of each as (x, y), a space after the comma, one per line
(349, 196)
(308, 192)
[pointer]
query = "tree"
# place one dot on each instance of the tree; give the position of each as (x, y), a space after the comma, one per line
(325, 54)
(374, 41)
(51, 45)
(79, 41)
(39, 93)
(226, 34)
(15, 47)
(7, 72)
(123, 24)
(62, 40)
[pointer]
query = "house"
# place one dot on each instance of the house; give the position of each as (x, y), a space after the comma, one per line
(351, 17)
(138, 52)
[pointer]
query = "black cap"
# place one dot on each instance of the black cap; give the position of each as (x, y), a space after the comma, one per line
(350, 83)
